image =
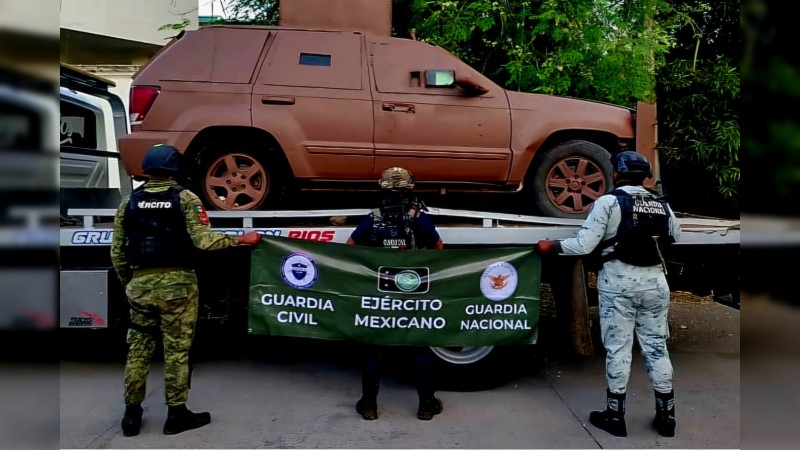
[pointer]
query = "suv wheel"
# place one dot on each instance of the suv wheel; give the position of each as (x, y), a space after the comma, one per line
(569, 177)
(234, 181)
(469, 369)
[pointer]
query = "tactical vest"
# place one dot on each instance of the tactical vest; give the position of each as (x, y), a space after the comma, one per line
(395, 227)
(643, 230)
(155, 230)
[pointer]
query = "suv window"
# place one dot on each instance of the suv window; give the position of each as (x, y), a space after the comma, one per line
(216, 54)
(401, 66)
(314, 59)
(78, 126)
(79, 130)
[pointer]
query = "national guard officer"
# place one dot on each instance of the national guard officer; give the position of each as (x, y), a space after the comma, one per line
(156, 232)
(629, 228)
(399, 223)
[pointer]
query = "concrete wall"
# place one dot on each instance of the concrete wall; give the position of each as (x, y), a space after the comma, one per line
(369, 16)
(134, 20)
(37, 17)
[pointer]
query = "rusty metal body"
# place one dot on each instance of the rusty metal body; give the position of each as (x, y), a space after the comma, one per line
(333, 109)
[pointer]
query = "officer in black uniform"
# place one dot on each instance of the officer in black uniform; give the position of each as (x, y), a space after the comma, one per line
(400, 223)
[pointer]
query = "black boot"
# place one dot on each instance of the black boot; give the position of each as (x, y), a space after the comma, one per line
(664, 421)
(368, 408)
(612, 419)
(180, 419)
(132, 420)
(429, 407)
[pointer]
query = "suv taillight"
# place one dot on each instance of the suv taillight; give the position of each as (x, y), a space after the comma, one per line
(142, 98)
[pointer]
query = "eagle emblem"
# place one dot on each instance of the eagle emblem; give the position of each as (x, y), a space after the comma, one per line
(499, 281)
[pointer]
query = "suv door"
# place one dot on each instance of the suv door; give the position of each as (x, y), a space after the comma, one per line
(439, 133)
(312, 94)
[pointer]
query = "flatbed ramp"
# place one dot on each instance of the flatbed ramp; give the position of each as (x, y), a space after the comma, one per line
(456, 227)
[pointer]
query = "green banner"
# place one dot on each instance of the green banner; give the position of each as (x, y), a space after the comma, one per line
(450, 297)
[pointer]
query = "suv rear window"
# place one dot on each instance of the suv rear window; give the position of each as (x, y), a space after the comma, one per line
(215, 54)
(78, 126)
(314, 59)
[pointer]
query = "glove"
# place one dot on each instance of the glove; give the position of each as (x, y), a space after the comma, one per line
(251, 238)
(546, 247)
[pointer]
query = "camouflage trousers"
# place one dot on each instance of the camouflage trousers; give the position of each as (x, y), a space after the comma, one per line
(167, 303)
(644, 313)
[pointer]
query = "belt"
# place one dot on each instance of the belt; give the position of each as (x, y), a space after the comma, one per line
(152, 270)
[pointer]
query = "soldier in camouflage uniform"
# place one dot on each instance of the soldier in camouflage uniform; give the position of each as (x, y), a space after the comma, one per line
(627, 230)
(156, 231)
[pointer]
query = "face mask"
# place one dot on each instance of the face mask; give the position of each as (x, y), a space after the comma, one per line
(393, 204)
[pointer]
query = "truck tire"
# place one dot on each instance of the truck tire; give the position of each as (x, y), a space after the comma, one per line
(470, 369)
(237, 179)
(569, 177)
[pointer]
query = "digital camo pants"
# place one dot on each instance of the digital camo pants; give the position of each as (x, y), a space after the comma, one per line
(645, 314)
(171, 309)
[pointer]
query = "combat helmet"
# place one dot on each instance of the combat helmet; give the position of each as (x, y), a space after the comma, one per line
(396, 178)
(631, 164)
(162, 159)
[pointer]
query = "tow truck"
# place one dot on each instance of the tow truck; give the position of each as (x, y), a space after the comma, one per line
(91, 297)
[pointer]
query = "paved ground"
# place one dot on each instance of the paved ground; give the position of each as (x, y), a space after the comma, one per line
(306, 401)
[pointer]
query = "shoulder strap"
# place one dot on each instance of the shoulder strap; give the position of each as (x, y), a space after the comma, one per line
(376, 214)
(619, 193)
(612, 241)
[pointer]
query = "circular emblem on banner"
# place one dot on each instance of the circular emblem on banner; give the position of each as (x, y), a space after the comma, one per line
(407, 280)
(499, 281)
(299, 270)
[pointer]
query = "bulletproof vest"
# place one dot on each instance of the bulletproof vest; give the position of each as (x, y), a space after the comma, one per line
(393, 227)
(155, 230)
(643, 231)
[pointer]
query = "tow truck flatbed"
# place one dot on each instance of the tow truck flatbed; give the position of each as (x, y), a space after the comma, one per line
(457, 227)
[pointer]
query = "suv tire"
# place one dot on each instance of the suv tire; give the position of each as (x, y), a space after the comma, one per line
(237, 180)
(569, 177)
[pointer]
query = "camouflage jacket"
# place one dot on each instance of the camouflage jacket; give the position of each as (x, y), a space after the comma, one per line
(197, 226)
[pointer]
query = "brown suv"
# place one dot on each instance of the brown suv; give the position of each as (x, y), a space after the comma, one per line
(257, 109)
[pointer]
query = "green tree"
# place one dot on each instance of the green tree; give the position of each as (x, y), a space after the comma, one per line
(177, 26)
(254, 12)
(596, 49)
(699, 95)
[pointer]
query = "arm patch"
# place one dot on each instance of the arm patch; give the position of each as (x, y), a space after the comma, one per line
(201, 214)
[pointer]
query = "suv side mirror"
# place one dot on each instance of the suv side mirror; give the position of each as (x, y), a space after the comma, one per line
(448, 79)
(440, 78)
(470, 86)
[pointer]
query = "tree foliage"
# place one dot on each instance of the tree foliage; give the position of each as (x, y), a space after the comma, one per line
(699, 91)
(596, 49)
(254, 12)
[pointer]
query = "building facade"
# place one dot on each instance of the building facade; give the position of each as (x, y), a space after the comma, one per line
(113, 38)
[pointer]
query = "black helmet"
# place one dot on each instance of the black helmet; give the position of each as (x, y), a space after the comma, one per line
(631, 163)
(162, 159)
